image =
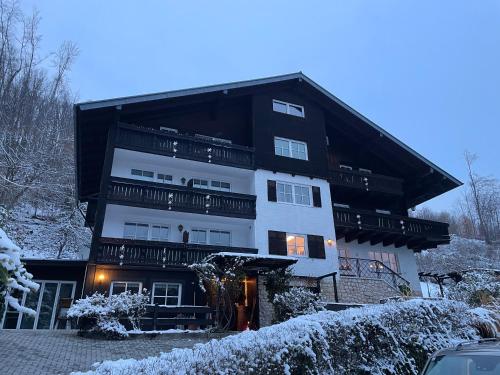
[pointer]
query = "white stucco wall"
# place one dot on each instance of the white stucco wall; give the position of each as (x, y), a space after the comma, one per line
(116, 216)
(405, 256)
(125, 160)
(296, 219)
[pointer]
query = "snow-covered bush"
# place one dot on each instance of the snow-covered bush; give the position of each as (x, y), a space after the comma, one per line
(477, 288)
(13, 276)
(380, 339)
(99, 315)
(295, 302)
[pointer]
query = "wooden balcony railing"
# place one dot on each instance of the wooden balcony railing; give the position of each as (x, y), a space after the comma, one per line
(183, 146)
(390, 229)
(366, 181)
(180, 198)
(155, 253)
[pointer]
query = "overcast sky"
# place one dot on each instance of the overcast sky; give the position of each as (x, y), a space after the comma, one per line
(426, 71)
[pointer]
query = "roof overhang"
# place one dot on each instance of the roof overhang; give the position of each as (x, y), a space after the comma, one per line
(255, 262)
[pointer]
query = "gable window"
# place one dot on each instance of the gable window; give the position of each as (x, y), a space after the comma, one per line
(164, 178)
(136, 231)
(118, 287)
(144, 174)
(159, 232)
(296, 244)
(289, 193)
(220, 237)
(198, 236)
(290, 148)
(167, 294)
(288, 108)
(388, 259)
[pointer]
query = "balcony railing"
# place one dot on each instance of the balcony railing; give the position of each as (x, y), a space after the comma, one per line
(155, 253)
(180, 198)
(183, 146)
(377, 227)
(366, 181)
(371, 269)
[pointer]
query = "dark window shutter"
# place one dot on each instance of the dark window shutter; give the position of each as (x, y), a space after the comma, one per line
(271, 191)
(316, 246)
(316, 196)
(277, 243)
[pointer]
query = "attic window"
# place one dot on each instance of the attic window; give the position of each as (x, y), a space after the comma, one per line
(288, 108)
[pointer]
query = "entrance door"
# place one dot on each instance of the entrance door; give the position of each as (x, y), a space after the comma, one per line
(45, 302)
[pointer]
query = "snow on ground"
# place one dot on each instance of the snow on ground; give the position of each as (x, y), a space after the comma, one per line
(39, 236)
(430, 290)
(375, 339)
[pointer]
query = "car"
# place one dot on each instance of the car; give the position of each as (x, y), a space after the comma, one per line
(480, 357)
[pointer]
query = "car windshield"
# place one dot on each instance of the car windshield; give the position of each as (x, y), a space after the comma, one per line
(464, 365)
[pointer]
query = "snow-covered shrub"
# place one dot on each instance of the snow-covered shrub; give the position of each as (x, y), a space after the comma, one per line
(13, 276)
(99, 315)
(477, 288)
(295, 302)
(380, 339)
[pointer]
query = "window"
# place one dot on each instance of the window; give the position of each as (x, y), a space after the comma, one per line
(290, 149)
(297, 194)
(220, 237)
(200, 184)
(159, 232)
(296, 244)
(167, 294)
(199, 236)
(288, 108)
(388, 259)
(343, 252)
(220, 185)
(164, 178)
(136, 231)
(118, 287)
(144, 174)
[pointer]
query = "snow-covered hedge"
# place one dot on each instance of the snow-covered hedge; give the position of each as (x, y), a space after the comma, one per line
(13, 276)
(393, 338)
(294, 302)
(477, 288)
(100, 315)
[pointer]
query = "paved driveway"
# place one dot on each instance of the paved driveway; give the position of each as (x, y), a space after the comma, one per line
(60, 352)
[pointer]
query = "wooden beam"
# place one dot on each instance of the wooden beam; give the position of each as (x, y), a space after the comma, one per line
(378, 238)
(365, 236)
(352, 235)
(401, 242)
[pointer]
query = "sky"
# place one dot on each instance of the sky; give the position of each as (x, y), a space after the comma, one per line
(426, 71)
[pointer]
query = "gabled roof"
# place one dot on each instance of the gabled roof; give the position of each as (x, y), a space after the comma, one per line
(116, 102)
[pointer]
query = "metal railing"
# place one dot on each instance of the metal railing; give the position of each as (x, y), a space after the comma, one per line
(155, 253)
(371, 269)
(366, 181)
(183, 146)
(181, 198)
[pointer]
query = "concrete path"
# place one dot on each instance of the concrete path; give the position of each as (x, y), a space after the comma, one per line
(61, 352)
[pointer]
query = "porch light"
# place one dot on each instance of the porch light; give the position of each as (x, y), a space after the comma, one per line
(329, 242)
(100, 277)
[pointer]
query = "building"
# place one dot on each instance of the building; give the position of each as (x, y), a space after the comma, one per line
(275, 167)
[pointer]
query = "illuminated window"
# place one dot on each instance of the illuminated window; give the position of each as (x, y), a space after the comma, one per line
(296, 244)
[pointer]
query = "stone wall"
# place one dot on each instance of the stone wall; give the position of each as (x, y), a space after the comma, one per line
(265, 307)
(363, 290)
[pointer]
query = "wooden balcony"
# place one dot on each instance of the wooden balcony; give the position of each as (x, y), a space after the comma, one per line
(155, 253)
(368, 182)
(183, 146)
(417, 234)
(180, 198)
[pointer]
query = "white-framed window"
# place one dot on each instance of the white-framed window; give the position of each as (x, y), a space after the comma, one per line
(136, 231)
(345, 166)
(167, 294)
(296, 244)
(164, 178)
(343, 252)
(291, 193)
(290, 148)
(288, 108)
(118, 287)
(388, 259)
(198, 236)
(147, 175)
(159, 232)
(220, 185)
(200, 183)
(220, 237)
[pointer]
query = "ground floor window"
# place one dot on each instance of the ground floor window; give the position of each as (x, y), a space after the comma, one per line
(47, 302)
(388, 259)
(118, 287)
(167, 294)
